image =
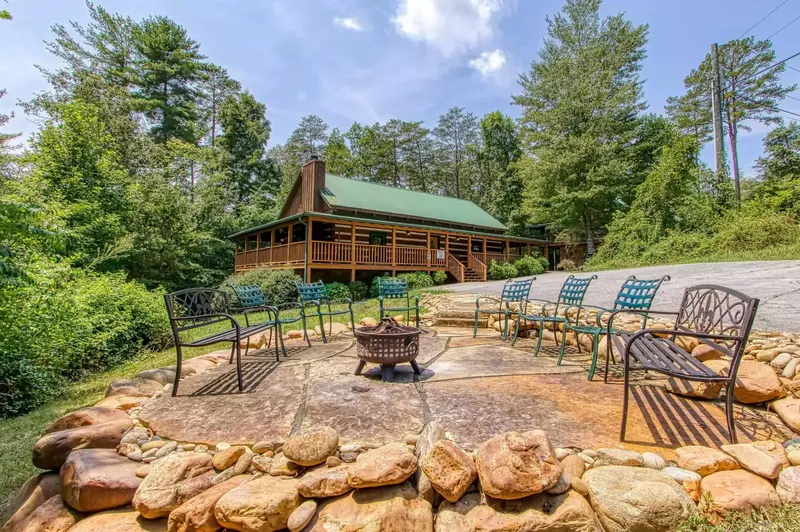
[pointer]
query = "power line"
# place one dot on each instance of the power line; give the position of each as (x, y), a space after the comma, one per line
(783, 28)
(771, 66)
(763, 19)
(771, 107)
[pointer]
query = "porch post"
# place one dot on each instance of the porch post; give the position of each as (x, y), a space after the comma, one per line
(428, 248)
(507, 251)
(528, 248)
(352, 252)
(309, 247)
(394, 246)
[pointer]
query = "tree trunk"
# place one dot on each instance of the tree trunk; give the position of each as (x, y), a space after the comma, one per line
(735, 161)
(587, 228)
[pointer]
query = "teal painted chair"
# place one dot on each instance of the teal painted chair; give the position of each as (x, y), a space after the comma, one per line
(571, 295)
(513, 292)
(316, 294)
(251, 297)
(397, 289)
(635, 295)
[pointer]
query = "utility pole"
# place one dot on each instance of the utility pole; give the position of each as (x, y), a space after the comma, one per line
(716, 106)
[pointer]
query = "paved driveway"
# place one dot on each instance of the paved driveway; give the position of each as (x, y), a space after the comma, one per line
(776, 283)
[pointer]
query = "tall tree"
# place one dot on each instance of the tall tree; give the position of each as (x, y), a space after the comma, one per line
(501, 150)
(781, 153)
(308, 139)
(338, 159)
(215, 87)
(418, 157)
(752, 91)
(168, 71)
(456, 130)
(580, 105)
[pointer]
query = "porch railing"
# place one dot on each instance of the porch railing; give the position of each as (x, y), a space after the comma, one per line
(477, 265)
(455, 267)
(331, 252)
(284, 254)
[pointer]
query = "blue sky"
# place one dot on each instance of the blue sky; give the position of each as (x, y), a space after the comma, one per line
(371, 60)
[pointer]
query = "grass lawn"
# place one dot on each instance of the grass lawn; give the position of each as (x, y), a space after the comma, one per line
(17, 435)
(779, 519)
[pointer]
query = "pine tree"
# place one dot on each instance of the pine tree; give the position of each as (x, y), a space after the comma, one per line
(456, 130)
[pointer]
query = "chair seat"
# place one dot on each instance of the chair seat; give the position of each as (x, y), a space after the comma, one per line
(230, 334)
(662, 355)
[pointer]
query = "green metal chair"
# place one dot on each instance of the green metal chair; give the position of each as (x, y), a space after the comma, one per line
(317, 294)
(571, 295)
(634, 295)
(513, 292)
(391, 288)
(251, 297)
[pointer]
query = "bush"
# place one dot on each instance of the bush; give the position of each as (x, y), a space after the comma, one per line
(502, 270)
(358, 290)
(337, 291)
(439, 277)
(277, 284)
(417, 280)
(566, 265)
(528, 265)
(67, 323)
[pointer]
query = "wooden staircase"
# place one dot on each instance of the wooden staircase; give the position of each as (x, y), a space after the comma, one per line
(472, 276)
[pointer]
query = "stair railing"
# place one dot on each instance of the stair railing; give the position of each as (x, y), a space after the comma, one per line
(475, 264)
(455, 267)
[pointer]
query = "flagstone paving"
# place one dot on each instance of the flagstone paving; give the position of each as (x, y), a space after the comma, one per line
(475, 388)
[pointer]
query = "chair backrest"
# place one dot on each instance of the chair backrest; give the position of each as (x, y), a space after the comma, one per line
(516, 290)
(638, 294)
(250, 296)
(715, 309)
(311, 291)
(392, 288)
(574, 289)
(185, 306)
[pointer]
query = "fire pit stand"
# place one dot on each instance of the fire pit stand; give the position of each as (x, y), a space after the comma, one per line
(387, 344)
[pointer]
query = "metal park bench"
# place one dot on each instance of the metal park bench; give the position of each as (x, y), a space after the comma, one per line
(397, 289)
(194, 308)
(513, 292)
(634, 295)
(317, 294)
(715, 316)
(571, 295)
(251, 296)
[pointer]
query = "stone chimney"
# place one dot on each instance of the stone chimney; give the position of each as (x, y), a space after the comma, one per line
(313, 176)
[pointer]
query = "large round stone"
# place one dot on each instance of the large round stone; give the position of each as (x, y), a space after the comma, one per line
(51, 451)
(704, 460)
(52, 516)
(755, 382)
(172, 481)
(136, 387)
(119, 520)
(92, 415)
(384, 466)
(450, 470)
(311, 448)
(765, 458)
(30, 496)
(515, 465)
(788, 487)
(261, 505)
(636, 498)
(739, 490)
(197, 514)
(325, 482)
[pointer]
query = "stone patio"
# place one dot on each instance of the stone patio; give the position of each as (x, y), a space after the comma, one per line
(475, 388)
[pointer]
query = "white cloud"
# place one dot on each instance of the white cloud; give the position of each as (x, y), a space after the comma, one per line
(451, 26)
(489, 62)
(348, 23)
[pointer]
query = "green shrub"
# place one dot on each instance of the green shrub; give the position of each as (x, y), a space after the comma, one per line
(358, 290)
(439, 277)
(528, 265)
(337, 291)
(277, 284)
(502, 270)
(67, 323)
(417, 280)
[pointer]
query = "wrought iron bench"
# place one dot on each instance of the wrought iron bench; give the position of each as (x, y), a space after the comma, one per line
(634, 295)
(317, 294)
(390, 288)
(194, 308)
(714, 315)
(513, 292)
(571, 295)
(251, 296)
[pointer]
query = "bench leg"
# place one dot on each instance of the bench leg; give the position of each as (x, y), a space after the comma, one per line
(360, 367)
(322, 328)
(230, 361)
(278, 337)
(239, 365)
(729, 412)
(177, 371)
(626, 391)
(608, 354)
(305, 329)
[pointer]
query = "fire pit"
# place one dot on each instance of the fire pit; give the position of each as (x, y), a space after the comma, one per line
(387, 344)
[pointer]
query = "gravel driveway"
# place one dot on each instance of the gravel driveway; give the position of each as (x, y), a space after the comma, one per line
(776, 283)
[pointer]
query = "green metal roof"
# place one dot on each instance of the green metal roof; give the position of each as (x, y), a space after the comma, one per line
(335, 217)
(343, 193)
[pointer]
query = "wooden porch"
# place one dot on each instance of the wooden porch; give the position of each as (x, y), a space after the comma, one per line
(354, 246)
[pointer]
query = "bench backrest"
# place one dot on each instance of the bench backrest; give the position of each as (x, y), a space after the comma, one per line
(187, 308)
(391, 288)
(250, 296)
(574, 290)
(516, 290)
(638, 294)
(715, 309)
(311, 291)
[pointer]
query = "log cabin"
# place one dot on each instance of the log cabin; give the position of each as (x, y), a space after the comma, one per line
(338, 229)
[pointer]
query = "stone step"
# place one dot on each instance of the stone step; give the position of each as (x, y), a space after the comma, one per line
(457, 313)
(461, 322)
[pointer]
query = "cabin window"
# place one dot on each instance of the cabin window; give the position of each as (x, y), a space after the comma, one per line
(281, 236)
(377, 238)
(265, 239)
(240, 244)
(251, 242)
(435, 242)
(298, 233)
